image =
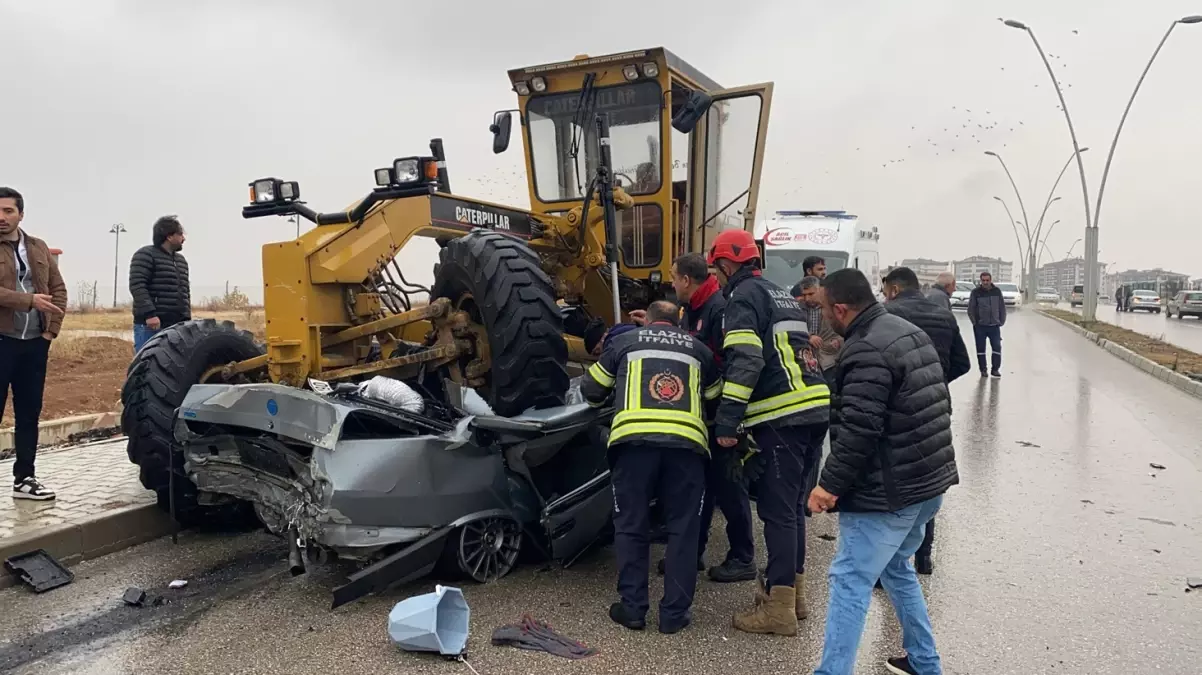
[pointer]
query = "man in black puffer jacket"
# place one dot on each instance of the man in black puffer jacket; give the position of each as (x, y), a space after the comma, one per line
(890, 462)
(905, 299)
(158, 280)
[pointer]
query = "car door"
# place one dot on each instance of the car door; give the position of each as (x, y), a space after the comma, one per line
(578, 519)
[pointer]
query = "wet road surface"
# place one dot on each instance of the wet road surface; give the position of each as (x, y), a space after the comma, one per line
(1061, 551)
(1185, 332)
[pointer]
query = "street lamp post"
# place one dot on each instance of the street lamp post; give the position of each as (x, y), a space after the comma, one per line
(1091, 272)
(1021, 258)
(1043, 246)
(1052, 192)
(1089, 306)
(1028, 279)
(1090, 293)
(1070, 248)
(116, 230)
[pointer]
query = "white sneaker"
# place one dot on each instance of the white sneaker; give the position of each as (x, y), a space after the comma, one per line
(32, 488)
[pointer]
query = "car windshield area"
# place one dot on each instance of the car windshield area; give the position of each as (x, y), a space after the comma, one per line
(1008, 288)
(965, 286)
(783, 267)
(562, 135)
(1048, 291)
(1193, 297)
(1145, 294)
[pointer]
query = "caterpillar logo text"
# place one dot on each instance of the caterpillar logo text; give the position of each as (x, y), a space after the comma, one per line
(496, 221)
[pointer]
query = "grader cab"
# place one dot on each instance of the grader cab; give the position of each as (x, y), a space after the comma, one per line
(632, 159)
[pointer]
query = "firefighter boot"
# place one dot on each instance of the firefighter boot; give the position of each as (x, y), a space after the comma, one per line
(777, 616)
(799, 588)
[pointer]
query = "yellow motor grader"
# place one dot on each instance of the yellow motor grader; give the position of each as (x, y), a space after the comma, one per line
(632, 160)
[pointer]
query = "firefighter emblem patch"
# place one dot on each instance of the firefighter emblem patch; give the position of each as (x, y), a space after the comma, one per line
(666, 387)
(807, 357)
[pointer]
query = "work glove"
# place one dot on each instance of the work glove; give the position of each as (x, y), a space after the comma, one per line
(745, 463)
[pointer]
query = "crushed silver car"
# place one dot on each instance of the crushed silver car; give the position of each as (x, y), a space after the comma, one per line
(379, 474)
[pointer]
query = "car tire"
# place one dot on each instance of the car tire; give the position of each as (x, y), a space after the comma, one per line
(156, 382)
(499, 280)
(483, 550)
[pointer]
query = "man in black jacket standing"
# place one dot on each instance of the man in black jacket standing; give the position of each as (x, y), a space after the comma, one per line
(891, 460)
(158, 280)
(905, 299)
(987, 312)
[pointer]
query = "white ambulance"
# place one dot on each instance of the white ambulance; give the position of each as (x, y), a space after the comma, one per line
(789, 237)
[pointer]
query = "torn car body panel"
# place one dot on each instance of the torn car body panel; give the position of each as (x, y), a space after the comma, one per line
(386, 486)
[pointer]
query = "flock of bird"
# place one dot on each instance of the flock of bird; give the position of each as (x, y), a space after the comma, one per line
(969, 129)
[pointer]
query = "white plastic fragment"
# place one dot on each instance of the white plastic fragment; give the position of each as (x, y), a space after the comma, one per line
(393, 392)
(178, 583)
(474, 404)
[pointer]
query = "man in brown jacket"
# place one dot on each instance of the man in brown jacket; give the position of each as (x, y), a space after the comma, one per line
(33, 299)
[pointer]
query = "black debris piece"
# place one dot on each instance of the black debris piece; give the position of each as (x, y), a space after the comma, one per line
(39, 570)
(534, 635)
(1194, 582)
(1028, 444)
(134, 596)
(826, 537)
(1154, 465)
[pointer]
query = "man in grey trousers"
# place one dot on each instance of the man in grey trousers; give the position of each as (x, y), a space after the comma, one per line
(987, 312)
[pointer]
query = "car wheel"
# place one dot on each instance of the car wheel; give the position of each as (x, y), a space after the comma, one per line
(156, 382)
(487, 549)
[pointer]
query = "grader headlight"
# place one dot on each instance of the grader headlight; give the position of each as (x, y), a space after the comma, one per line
(650, 69)
(522, 88)
(538, 84)
(273, 190)
(630, 72)
(407, 170)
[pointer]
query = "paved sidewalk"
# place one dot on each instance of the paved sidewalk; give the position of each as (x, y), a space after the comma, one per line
(101, 506)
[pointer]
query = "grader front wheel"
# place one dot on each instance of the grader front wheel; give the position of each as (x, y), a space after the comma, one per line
(521, 358)
(157, 381)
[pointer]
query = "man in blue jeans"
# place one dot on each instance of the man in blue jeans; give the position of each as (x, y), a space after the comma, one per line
(890, 462)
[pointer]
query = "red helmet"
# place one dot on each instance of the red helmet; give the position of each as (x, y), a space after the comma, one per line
(736, 245)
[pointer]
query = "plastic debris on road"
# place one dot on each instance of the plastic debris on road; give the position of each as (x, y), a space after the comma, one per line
(178, 583)
(433, 622)
(534, 635)
(39, 570)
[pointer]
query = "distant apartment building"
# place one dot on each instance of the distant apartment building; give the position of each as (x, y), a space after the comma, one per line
(1062, 275)
(970, 269)
(925, 269)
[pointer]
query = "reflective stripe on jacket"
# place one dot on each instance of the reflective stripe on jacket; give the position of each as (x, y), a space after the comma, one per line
(771, 371)
(661, 378)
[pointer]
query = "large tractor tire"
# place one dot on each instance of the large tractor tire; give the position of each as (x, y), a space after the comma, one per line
(498, 281)
(156, 382)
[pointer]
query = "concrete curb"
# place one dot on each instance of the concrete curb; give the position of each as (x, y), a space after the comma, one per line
(1185, 384)
(53, 432)
(106, 533)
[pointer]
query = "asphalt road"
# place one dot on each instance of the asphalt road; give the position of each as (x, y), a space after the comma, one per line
(1061, 551)
(1185, 333)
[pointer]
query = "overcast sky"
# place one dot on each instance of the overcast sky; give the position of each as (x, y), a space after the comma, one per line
(120, 111)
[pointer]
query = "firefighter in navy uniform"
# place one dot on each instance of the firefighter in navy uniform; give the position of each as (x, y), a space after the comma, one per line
(703, 305)
(772, 390)
(658, 445)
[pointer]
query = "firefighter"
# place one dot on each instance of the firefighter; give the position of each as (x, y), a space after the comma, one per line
(773, 390)
(658, 447)
(702, 317)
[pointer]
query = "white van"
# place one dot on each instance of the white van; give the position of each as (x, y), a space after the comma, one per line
(789, 237)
